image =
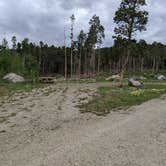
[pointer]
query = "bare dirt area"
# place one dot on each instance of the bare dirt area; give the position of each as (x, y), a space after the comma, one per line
(45, 128)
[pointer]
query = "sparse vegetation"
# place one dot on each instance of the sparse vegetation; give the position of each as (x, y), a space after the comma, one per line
(9, 88)
(113, 98)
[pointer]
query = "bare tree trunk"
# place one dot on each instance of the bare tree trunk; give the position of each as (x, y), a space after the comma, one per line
(142, 64)
(121, 78)
(85, 63)
(110, 66)
(123, 69)
(71, 63)
(94, 62)
(98, 62)
(133, 64)
(80, 63)
(71, 37)
(65, 55)
(157, 64)
(90, 65)
(154, 63)
(43, 68)
(163, 64)
(130, 65)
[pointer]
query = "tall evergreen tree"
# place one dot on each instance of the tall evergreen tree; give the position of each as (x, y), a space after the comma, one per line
(95, 36)
(129, 19)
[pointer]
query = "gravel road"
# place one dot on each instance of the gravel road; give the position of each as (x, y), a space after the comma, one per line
(45, 128)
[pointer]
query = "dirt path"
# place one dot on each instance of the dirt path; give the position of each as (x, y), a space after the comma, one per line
(45, 128)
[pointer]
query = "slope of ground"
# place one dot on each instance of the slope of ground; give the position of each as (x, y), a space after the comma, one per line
(45, 128)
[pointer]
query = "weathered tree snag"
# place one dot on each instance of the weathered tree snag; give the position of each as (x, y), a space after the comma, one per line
(72, 18)
(98, 67)
(65, 54)
(121, 78)
(123, 70)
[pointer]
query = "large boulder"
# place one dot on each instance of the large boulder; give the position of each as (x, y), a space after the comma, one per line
(14, 78)
(113, 78)
(135, 83)
(161, 77)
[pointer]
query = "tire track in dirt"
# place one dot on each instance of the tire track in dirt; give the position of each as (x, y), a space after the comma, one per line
(32, 115)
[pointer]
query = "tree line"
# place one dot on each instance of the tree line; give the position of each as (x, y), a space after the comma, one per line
(86, 57)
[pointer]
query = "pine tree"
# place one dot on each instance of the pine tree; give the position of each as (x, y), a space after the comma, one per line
(129, 19)
(95, 36)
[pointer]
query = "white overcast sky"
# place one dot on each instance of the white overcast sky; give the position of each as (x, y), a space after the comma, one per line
(45, 19)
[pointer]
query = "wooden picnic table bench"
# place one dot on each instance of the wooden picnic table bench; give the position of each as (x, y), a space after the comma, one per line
(46, 80)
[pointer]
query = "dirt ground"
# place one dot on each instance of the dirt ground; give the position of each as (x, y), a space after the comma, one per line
(45, 128)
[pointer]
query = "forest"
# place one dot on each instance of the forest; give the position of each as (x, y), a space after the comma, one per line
(86, 55)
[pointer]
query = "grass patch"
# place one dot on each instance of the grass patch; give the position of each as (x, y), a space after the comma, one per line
(8, 88)
(113, 98)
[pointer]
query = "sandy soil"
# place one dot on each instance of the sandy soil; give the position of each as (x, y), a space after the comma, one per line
(45, 128)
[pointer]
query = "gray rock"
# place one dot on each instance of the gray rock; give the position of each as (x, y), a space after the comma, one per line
(161, 77)
(14, 78)
(135, 83)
